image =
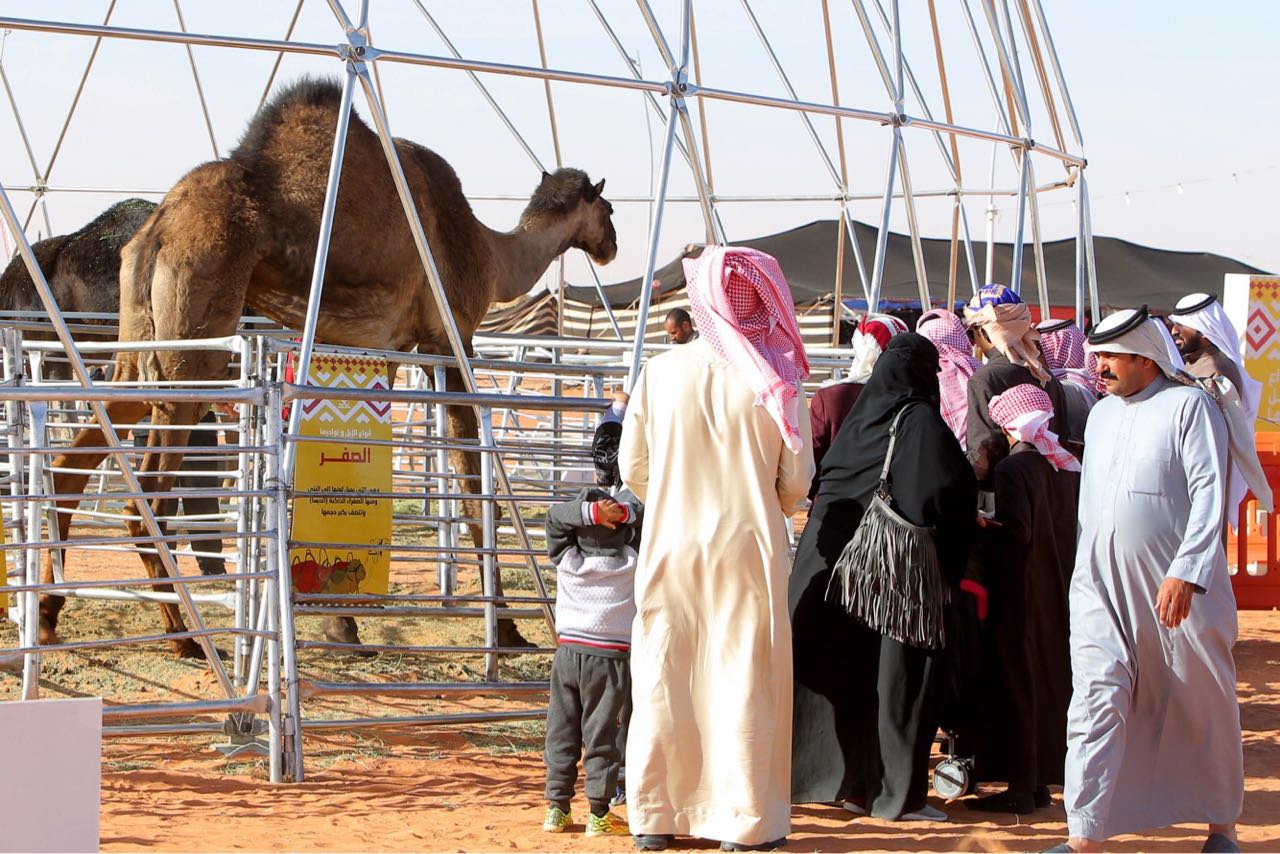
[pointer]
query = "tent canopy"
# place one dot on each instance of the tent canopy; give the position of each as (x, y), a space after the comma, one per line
(1128, 274)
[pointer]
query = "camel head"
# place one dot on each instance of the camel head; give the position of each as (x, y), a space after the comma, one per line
(569, 196)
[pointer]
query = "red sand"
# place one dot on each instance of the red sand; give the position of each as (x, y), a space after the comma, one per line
(437, 792)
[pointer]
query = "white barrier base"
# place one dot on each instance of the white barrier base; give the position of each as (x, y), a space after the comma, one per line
(51, 775)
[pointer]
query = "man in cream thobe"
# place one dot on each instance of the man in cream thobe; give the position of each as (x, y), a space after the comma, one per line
(709, 749)
(1154, 725)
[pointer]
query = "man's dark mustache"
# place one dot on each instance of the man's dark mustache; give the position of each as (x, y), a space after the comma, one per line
(1107, 375)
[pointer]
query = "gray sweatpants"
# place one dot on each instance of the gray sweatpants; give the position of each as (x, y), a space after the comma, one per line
(589, 691)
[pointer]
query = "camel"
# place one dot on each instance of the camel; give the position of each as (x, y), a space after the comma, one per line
(83, 270)
(242, 231)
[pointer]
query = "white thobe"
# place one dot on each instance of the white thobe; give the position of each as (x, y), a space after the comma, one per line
(709, 744)
(1153, 731)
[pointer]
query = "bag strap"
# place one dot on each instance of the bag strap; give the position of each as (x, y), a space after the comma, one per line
(888, 457)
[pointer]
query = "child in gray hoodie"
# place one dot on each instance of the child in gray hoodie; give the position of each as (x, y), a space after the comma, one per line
(593, 540)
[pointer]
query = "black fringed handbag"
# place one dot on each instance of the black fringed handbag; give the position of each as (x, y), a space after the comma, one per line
(889, 573)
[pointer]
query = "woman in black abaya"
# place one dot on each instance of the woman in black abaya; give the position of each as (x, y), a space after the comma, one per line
(865, 705)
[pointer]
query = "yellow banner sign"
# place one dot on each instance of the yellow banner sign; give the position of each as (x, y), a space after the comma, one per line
(1262, 347)
(347, 464)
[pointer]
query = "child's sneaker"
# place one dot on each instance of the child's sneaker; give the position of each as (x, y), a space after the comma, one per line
(619, 796)
(557, 820)
(606, 825)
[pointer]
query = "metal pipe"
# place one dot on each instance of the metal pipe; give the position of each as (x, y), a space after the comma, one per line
(322, 254)
(275, 66)
(882, 236)
(1095, 304)
(278, 510)
(1080, 284)
(401, 649)
(30, 603)
(291, 392)
(310, 689)
(1020, 224)
(200, 635)
(502, 613)
(714, 230)
(913, 227)
(507, 69)
(113, 714)
(75, 99)
(651, 260)
(786, 84)
(151, 730)
(489, 571)
(195, 75)
(72, 29)
(1037, 245)
(1057, 72)
(425, 720)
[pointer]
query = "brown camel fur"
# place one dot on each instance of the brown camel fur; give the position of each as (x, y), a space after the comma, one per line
(82, 269)
(242, 232)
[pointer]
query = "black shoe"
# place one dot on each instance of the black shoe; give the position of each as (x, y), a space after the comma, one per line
(1018, 803)
(654, 841)
(763, 846)
(1043, 798)
(1217, 842)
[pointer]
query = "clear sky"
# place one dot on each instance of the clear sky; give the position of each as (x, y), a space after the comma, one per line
(1166, 93)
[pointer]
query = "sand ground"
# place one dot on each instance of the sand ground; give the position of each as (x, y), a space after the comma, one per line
(476, 788)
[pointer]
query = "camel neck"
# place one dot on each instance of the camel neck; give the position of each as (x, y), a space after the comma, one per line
(525, 254)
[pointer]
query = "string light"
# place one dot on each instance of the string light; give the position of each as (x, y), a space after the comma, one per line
(1178, 187)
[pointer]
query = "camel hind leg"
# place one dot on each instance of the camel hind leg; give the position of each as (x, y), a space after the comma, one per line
(73, 483)
(158, 459)
(185, 275)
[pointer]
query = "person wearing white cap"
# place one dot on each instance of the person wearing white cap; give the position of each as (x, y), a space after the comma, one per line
(1153, 730)
(1207, 339)
(1208, 342)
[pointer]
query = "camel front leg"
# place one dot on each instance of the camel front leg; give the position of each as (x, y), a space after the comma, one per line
(463, 425)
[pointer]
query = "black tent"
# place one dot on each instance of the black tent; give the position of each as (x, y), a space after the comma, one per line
(1128, 274)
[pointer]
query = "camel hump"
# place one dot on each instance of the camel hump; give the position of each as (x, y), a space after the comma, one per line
(17, 288)
(282, 117)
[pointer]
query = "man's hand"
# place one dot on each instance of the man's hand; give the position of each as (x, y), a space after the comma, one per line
(610, 512)
(1173, 602)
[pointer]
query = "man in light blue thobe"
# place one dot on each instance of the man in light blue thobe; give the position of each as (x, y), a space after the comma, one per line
(1153, 730)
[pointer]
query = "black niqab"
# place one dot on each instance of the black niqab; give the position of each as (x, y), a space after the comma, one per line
(864, 728)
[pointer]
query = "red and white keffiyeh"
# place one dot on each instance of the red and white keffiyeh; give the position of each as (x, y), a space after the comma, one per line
(1024, 412)
(1064, 351)
(955, 365)
(745, 311)
(869, 341)
(1063, 348)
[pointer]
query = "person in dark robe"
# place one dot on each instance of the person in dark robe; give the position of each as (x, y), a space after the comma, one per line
(999, 323)
(866, 707)
(1020, 734)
